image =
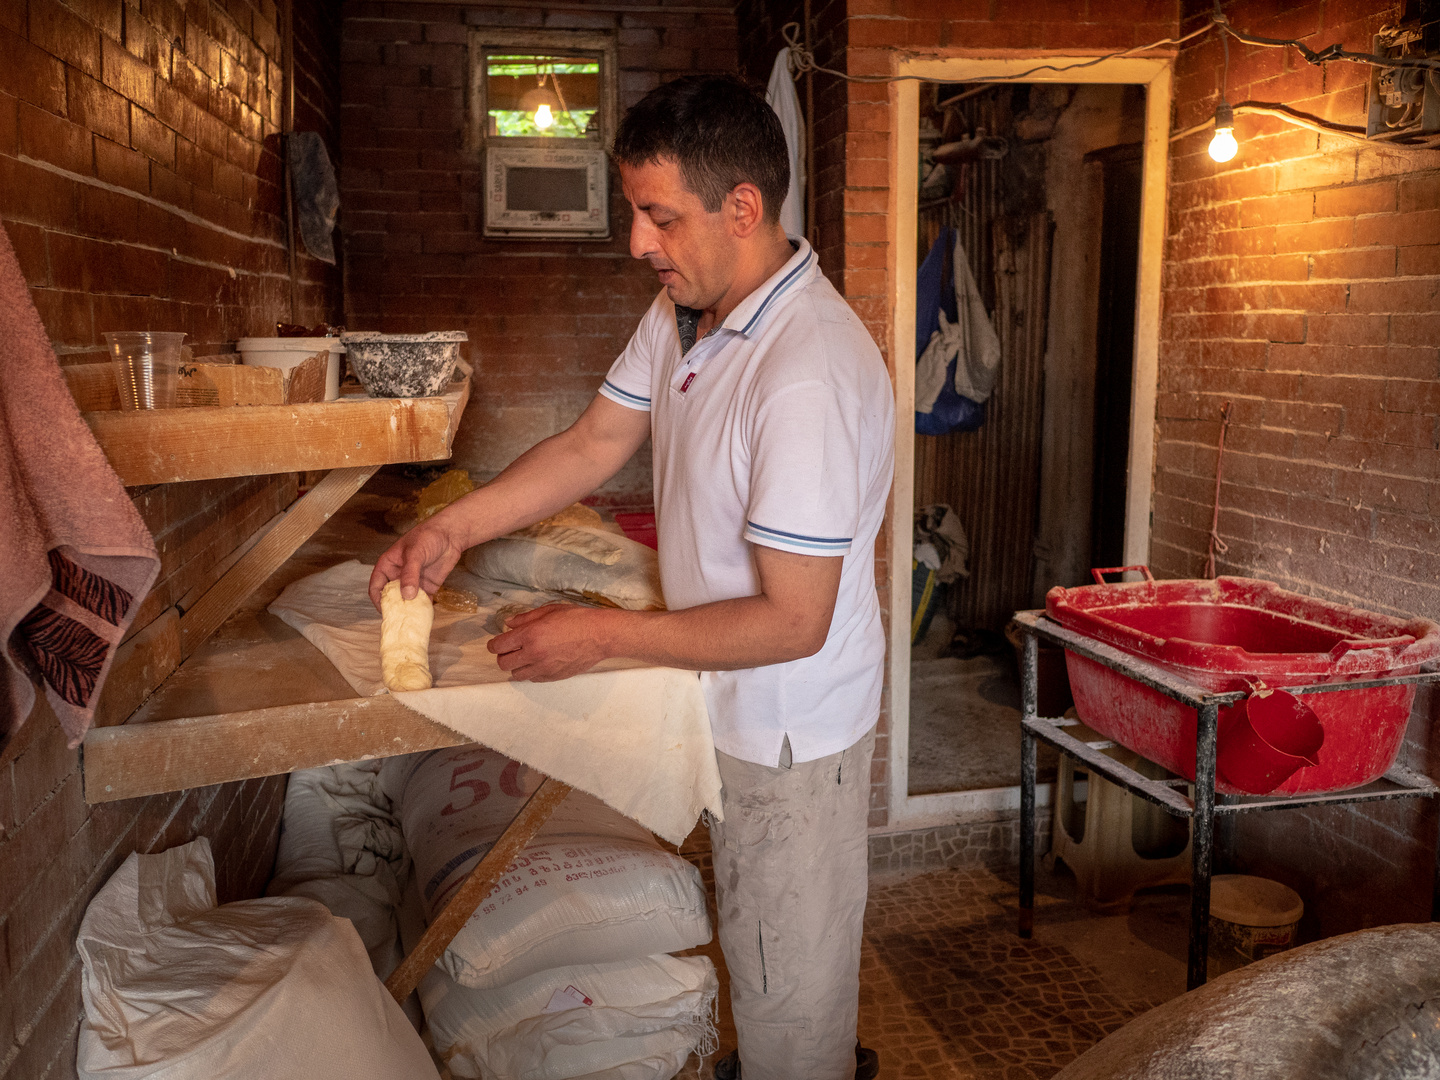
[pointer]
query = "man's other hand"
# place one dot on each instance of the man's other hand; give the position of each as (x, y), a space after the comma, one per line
(550, 643)
(421, 559)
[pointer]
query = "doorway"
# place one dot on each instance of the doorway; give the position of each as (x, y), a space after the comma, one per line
(1029, 201)
(1058, 220)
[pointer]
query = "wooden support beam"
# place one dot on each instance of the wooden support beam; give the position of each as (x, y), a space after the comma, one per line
(489, 870)
(169, 755)
(140, 665)
(302, 519)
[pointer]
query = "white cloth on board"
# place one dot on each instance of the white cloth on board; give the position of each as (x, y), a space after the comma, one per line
(970, 341)
(781, 96)
(637, 738)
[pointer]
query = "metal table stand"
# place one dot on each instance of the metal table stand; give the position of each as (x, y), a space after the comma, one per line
(1399, 783)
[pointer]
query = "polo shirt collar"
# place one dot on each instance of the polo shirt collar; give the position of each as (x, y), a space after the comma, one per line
(751, 312)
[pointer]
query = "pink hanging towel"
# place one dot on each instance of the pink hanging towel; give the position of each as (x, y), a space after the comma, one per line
(77, 558)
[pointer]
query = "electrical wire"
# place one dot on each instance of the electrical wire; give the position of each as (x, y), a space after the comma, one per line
(802, 61)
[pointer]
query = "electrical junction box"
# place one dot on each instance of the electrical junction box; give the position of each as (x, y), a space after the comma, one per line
(1404, 100)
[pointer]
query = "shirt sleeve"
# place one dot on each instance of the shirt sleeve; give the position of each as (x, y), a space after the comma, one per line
(804, 472)
(630, 378)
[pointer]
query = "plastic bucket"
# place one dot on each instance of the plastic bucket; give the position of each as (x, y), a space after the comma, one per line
(146, 363)
(285, 353)
(1270, 736)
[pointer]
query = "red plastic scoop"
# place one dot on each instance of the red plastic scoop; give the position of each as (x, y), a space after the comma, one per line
(1269, 737)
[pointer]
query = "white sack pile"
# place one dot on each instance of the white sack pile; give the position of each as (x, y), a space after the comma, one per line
(178, 988)
(586, 913)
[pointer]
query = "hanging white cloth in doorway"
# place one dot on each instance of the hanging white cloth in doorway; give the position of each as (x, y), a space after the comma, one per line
(970, 341)
(781, 97)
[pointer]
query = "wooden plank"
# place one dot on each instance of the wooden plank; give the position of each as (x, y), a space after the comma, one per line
(301, 520)
(93, 386)
(197, 526)
(145, 759)
(164, 446)
(140, 666)
(221, 568)
(489, 870)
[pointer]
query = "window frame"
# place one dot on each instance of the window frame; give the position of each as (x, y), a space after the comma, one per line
(485, 40)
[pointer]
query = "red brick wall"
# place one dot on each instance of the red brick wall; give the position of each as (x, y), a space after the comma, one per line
(1301, 285)
(139, 183)
(853, 140)
(545, 319)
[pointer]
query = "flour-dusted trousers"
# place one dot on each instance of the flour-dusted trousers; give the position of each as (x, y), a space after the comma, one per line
(791, 871)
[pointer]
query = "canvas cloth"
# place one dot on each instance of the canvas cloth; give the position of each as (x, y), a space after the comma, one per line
(637, 738)
(78, 559)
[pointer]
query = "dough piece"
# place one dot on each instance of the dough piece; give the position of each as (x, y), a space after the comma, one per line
(405, 639)
(576, 514)
(457, 600)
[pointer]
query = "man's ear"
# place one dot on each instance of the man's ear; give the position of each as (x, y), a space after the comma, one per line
(747, 208)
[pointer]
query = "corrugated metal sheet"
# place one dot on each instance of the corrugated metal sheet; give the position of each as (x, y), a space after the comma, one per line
(992, 476)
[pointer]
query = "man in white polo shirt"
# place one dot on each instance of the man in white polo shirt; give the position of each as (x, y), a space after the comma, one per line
(772, 417)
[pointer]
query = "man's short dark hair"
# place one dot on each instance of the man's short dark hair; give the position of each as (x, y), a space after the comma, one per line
(719, 131)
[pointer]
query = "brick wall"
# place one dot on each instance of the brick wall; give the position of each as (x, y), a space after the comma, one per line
(1301, 285)
(853, 140)
(139, 183)
(545, 318)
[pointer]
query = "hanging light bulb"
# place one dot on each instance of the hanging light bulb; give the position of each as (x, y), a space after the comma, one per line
(545, 119)
(1223, 146)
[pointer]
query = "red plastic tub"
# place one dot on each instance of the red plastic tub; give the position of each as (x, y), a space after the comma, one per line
(1242, 634)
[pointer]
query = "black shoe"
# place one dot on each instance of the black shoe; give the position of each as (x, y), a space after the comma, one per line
(867, 1065)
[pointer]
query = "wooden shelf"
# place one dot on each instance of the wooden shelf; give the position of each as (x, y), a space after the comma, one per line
(165, 446)
(257, 699)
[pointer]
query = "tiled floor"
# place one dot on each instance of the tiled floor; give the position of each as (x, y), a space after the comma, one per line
(949, 991)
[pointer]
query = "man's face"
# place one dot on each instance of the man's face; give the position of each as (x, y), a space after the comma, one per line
(693, 251)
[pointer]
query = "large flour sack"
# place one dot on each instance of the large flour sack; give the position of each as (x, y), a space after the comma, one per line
(176, 988)
(589, 564)
(340, 845)
(593, 886)
(645, 1018)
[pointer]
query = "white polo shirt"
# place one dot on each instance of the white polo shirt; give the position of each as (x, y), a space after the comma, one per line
(777, 428)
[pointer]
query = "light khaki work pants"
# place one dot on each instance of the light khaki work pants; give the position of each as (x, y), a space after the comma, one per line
(791, 871)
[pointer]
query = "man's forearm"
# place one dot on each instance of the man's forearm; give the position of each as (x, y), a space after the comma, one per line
(729, 634)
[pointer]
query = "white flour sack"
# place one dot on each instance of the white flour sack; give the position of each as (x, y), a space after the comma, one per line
(176, 988)
(593, 886)
(644, 1018)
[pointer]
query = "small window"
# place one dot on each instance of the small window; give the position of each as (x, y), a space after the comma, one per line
(532, 95)
(552, 87)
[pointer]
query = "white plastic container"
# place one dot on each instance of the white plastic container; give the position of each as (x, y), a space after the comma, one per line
(286, 352)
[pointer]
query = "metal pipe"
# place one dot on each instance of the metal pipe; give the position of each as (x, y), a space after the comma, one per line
(811, 233)
(1202, 842)
(287, 127)
(1029, 678)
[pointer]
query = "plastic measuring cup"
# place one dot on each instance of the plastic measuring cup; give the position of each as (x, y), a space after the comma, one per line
(146, 363)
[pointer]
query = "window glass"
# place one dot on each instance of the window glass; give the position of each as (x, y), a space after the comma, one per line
(538, 95)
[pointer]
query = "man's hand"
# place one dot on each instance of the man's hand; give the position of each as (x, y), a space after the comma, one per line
(550, 643)
(420, 559)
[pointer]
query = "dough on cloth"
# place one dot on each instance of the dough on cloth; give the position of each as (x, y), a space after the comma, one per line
(405, 639)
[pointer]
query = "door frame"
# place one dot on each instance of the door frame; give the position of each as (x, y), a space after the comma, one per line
(1156, 75)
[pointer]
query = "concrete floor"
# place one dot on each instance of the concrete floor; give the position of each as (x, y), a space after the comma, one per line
(965, 725)
(949, 991)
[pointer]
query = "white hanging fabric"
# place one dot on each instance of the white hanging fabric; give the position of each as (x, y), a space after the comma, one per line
(971, 341)
(781, 96)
